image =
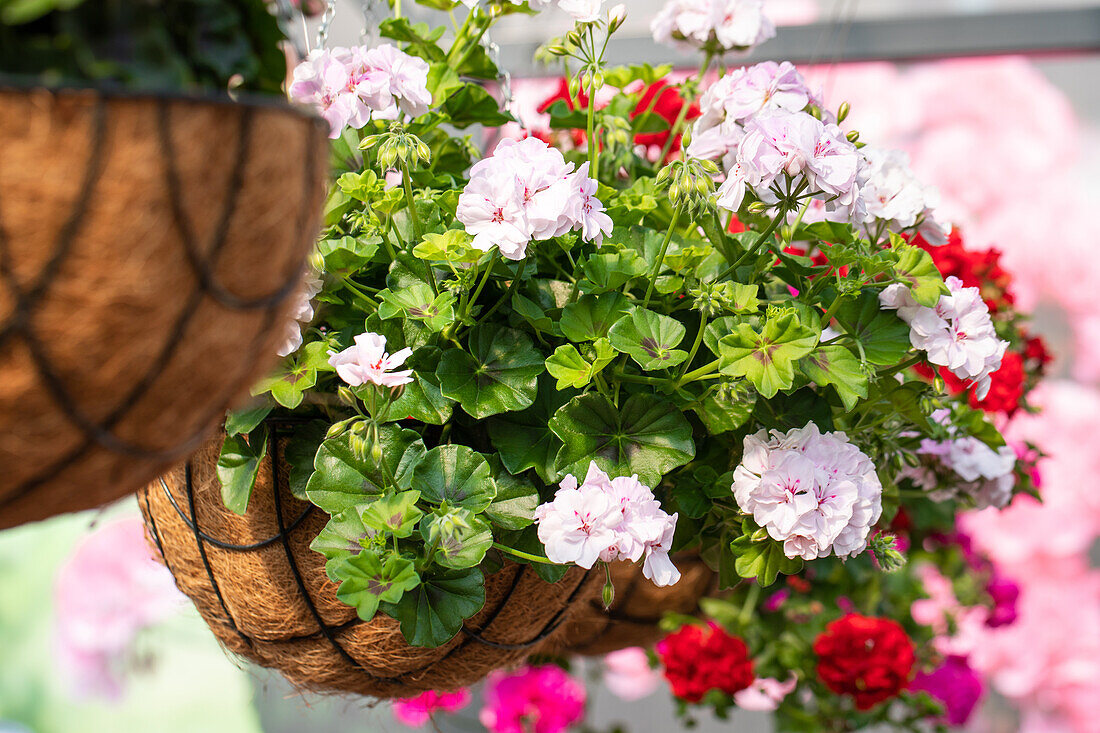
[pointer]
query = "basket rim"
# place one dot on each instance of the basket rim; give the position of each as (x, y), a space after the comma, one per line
(111, 92)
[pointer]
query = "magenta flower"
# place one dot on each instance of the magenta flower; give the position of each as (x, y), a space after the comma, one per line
(954, 684)
(417, 711)
(1004, 593)
(533, 700)
(367, 361)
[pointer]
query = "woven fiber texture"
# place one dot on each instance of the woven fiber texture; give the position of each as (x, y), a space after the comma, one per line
(636, 611)
(266, 597)
(149, 249)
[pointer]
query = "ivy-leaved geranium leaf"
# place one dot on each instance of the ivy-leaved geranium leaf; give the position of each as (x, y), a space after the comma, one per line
(470, 104)
(346, 254)
(238, 465)
(299, 374)
(767, 358)
(607, 271)
(395, 514)
(514, 505)
(433, 613)
(592, 316)
(727, 408)
(452, 245)
(763, 560)
(418, 302)
(246, 420)
(498, 374)
(524, 439)
(564, 117)
(456, 475)
(344, 535)
(300, 452)
(369, 579)
(916, 268)
(837, 366)
(647, 436)
(883, 336)
(650, 339)
(571, 369)
(342, 480)
(718, 329)
(462, 538)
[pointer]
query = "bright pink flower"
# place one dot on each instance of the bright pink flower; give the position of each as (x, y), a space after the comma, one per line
(533, 700)
(417, 711)
(955, 685)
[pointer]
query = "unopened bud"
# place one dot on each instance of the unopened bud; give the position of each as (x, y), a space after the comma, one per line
(759, 535)
(347, 396)
(376, 453)
(608, 593)
(337, 429)
(317, 262)
(558, 50)
(852, 136)
(884, 549)
(757, 207)
(842, 113)
(574, 86)
(573, 38)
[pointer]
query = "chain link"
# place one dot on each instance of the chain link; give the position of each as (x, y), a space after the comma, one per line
(326, 22)
(504, 76)
(286, 15)
(369, 35)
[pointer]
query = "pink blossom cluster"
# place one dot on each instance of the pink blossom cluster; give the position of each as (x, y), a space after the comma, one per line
(958, 333)
(895, 197)
(416, 712)
(791, 150)
(351, 86)
(739, 96)
(608, 519)
(301, 312)
(106, 593)
(986, 475)
(524, 192)
(628, 674)
(815, 492)
(367, 361)
(532, 700)
(727, 25)
(764, 694)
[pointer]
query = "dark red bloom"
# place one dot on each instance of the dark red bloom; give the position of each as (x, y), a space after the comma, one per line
(562, 93)
(976, 268)
(700, 659)
(1006, 390)
(666, 102)
(1036, 354)
(869, 658)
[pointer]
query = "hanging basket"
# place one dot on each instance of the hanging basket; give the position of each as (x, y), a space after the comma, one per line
(266, 597)
(148, 246)
(636, 611)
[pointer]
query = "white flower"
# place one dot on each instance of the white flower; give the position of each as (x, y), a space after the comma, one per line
(728, 24)
(958, 333)
(894, 196)
(301, 312)
(367, 361)
(815, 492)
(965, 466)
(608, 519)
(583, 11)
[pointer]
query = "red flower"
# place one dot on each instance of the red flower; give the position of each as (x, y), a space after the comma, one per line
(562, 93)
(698, 660)
(1006, 390)
(870, 659)
(976, 268)
(1036, 354)
(666, 102)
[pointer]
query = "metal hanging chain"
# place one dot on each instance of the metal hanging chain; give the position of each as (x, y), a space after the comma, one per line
(504, 76)
(287, 16)
(326, 23)
(369, 35)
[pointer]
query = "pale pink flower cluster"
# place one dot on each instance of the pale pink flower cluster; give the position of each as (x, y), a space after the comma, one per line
(764, 694)
(988, 476)
(351, 86)
(958, 628)
(106, 592)
(893, 195)
(532, 700)
(416, 712)
(524, 192)
(791, 148)
(738, 97)
(958, 333)
(367, 361)
(608, 519)
(815, 492)
(730, 25)
(301, 312)
(628, 674)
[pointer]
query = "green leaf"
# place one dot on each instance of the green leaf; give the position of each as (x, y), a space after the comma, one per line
(456, 475)
(367, 580)
(499, 374)
(442, 81)
(727, 408)
(432, 614)
(648, 123)
(300, 452)
(238, 465)
(344, 535)
(342, 480)
(422, 400)
(609, 271)
(348, 254)
(650, 339)
(564, 118)
(883, 336)
(837, 366)
(592, 316)
(299, 374)
(916, 268)
(452, 245)
(573, 370)
(648, 436)
(623, 76)
(462, 538)
(533, 313)
(396, 515)
(422, 40)
(470, 104)
(514, 505)
(767, 358)
(419, 303)
(524, 439)
(239, 422)
(763, 560)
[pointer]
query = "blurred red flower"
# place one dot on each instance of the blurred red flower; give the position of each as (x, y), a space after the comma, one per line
(869, 658)
(700, 659)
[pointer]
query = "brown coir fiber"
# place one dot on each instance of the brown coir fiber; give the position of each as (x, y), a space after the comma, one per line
(148, 246)
(268, 599)
(637, 609)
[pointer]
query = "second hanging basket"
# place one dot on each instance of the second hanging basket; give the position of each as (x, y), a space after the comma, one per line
(150, 248)
(266, 597)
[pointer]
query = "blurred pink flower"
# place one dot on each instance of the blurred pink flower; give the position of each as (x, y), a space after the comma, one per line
(532, 700)
(106, 592)
(416, 711)
(628, 675)
(764, 694)
(955, 685)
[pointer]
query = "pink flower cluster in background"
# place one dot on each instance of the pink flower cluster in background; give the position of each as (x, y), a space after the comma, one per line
(532, 700)
(727, 24)
(418, 711)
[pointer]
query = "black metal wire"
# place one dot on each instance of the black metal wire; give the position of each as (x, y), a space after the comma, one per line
(99, 432)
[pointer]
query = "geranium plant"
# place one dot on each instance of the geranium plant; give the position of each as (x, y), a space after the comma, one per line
(605, 352)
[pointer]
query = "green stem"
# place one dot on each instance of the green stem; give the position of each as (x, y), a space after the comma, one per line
(659, 263)
(637, 379)
(695, 346)
(675, 129)
(524, 555)
(754, 250)
(508, 294)
(911, 362)
(699, 373)
(593, 143)
(481, 285)
(750, 605)
(828, 317)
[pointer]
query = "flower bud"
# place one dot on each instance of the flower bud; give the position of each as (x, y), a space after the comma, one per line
(842, 113)
(337, 429)
(574, 86)
(852, 136)
(347, 396)
(608, 593)
(886, 553)
(557, 50)
(573, 38)
(757, 207)
(376, 453)
(616, 17)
